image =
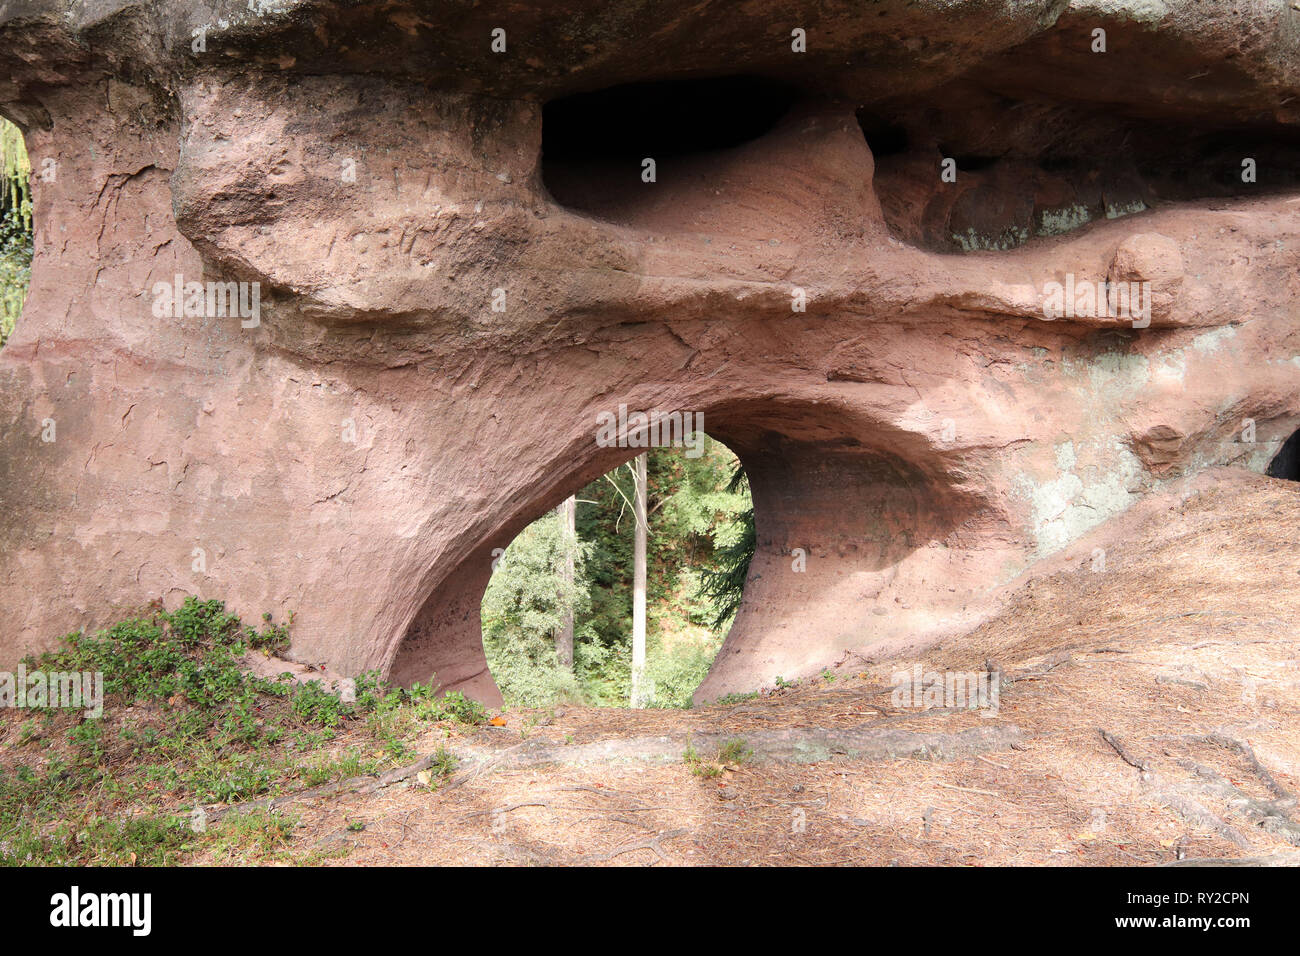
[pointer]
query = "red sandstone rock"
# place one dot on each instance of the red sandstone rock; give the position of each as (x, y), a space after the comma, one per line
(921, 432)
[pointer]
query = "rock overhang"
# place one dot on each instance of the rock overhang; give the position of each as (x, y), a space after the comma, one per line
(909, 425)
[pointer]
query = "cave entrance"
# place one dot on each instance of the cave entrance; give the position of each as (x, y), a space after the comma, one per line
(864, 538)
(558, 613)
(594, 145)
(1032, 167)
(1286, 463)
(15, 227)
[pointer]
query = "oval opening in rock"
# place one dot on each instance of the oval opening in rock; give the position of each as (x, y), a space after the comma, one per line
(557, 615)
(595, 144)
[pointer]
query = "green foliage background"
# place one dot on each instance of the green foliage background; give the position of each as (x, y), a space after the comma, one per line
(525, 603)
(701, 525)
(15, 227)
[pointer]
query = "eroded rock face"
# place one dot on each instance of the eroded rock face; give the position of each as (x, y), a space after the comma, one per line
(445, 307)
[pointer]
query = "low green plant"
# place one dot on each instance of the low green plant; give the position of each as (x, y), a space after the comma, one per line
(443, 763)
(254, 835)
(735, 751)
(332, 770)
(728, 699)
(698, 766)
(456, 706)
(185, 725)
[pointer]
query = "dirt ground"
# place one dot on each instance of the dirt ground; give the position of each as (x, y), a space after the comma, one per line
(1148, 714)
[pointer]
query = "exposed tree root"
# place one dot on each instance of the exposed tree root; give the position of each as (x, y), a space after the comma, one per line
(1141, 763)
(792, 745)
(651, 844)
(1269, 815)
(1194, 813)
(1243, 748)
(1276, 859)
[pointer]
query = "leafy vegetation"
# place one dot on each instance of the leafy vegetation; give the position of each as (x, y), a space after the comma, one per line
(187, 725)
(705, 769)
(732, 754)
(724, 584)
(525, 603)
(700, 543)
(735, 751)
(15, 227)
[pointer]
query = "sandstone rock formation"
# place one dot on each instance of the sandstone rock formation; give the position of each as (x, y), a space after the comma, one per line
(459, 265)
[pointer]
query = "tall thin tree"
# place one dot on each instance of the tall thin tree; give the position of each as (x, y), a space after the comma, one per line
(640, 692)
(568, 513)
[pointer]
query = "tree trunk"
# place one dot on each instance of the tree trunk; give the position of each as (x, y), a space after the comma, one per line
(639, 690)
(568, 511)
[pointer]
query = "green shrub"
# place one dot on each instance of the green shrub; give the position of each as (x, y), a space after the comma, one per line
(15, 227)
(527, 600)
(735, 751)
(675, 676)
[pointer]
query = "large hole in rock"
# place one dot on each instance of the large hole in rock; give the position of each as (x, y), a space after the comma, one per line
(863, 538)
(594, 144)
(15, 227)
(1286, 463)
(557, 616)
(1027, 168)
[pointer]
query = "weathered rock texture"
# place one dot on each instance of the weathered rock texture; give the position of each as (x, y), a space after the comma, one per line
(920, 431)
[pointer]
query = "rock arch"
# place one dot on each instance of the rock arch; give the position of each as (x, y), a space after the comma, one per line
(848, 533)
(906, 409)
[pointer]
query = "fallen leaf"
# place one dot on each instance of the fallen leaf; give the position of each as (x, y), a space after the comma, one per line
(497, 721)
(424, 777)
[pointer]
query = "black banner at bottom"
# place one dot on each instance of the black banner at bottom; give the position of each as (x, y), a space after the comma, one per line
(232, 905)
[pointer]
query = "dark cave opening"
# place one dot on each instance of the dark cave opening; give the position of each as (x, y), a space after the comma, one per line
(1033, 167)
(1286, 463)
(969, 162)
(885, 138)
(595, 142)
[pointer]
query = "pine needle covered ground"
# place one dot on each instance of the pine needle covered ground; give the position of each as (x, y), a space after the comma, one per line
(1148, 714)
